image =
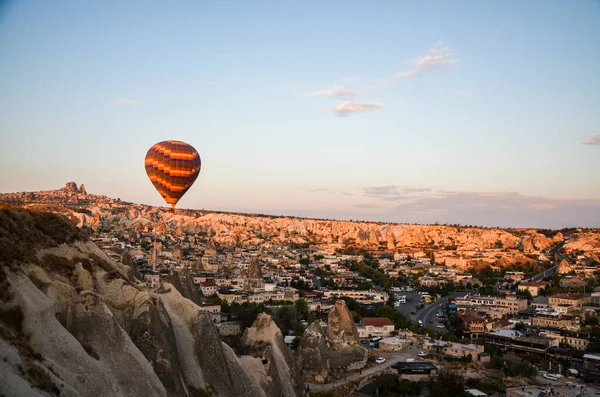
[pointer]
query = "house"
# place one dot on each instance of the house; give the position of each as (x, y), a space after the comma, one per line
(472, 323)
(455, 349)
(555, 320)
(208, 288)
(569, 299)
(573, 282)
(214, 311)
(514, 276)
(533, 287)
(230, 328)
(375, 326)
(152, 279)
(415, 370)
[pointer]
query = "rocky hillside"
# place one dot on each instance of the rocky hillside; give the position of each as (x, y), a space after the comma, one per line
(75, 323)
(95, 212)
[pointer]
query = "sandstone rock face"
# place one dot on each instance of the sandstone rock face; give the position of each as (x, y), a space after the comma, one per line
(237, 229)
(184, 283)
(313, 351)
(558, 237)
(564, 267)
(341, 330)
(264, 340)
(71, 187)
(75, 323)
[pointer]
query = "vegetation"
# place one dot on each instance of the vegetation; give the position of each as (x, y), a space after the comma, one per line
(512, 368)
(22, 232)
(400, 321)
(447, 383)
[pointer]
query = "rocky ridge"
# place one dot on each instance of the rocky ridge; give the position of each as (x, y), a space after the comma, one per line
(228, 229)
(75, 323)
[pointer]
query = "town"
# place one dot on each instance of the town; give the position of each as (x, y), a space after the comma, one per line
(515, 313)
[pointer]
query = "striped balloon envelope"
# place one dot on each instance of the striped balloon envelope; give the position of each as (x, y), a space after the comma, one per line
(172, 167)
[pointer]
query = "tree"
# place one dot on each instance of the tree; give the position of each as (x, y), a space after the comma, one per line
(519, 326)
(302, 306)
(447, 383)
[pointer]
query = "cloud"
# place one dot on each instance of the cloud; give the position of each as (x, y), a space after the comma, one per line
(125, 101)
(438, 57)
(338, 91)
(349, 107)
(592, 139)
(463, 93)
(406, 204)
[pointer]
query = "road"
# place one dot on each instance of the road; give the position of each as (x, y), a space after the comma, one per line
(549, 272)
(428, 313)
(391, 359)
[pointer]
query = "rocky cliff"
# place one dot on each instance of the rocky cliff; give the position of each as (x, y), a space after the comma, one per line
(75, 323)
(95, 211)
(341, 330)
(313, 351)
(264, 341)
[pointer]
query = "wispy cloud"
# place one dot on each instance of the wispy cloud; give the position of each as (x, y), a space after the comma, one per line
(463, 93)
(438, 57)
(349, 107)
(592, 139)
(506, 209)
(338, 91)
(125, 101)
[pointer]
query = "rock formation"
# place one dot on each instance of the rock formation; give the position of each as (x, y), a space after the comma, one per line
(313, 351)
(264, 341)
(341, 330)
(228, 229)
(75, 323)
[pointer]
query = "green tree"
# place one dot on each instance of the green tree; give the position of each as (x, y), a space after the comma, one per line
(447, 383)
(302, 306)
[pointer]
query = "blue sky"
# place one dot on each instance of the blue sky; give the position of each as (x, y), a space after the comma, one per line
(463, 112)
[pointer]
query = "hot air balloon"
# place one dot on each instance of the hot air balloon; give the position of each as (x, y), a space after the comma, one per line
(172, 167)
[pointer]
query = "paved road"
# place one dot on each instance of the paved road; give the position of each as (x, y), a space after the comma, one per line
(428, 313)
(390, 360)
(549, 272)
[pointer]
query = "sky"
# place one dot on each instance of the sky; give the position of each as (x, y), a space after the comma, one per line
(470, 112)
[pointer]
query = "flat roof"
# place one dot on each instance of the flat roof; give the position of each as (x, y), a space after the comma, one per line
(414, 366)
(475, 392)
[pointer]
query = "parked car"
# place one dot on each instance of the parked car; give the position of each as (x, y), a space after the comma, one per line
(550, 377)
(422, 354)
(441, 326)
(380, 360)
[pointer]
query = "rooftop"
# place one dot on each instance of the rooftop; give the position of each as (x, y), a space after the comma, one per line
(420, 365)
(377, 321)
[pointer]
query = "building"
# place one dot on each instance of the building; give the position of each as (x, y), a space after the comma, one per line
(510, 340)
(208, 288)
(375, 326)
(453, 349)
(511, 303)
(555, 320)
(514, 276)
(214, 311)
(393, 344)
(473, 324)
(230, 328)
(591, 368)
(152, 279)
(573, 282)
(533, 287)
(415, 370)
(358, 295)
(569, 299)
